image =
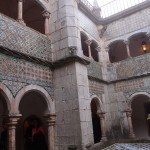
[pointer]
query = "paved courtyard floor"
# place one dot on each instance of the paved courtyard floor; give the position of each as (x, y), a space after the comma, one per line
(129, 146)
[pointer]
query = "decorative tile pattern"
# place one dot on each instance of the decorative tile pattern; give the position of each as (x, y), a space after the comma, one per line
(95, 70)
(128, 93)
(16, 74)
(128, 24)
(132, 67)
(96, 88)
(128, 85)
(23, 39)
(23, 69)
(14, 87)
(129, 146)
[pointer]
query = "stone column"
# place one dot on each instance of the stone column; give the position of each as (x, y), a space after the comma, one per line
(99, 54)
(148, 35)
(107, 51)
(46, 16)
(102, 123)
(131, 132)
(127, 47)
(89, 42)
(20, 12)
(12, 122)
(50, 119)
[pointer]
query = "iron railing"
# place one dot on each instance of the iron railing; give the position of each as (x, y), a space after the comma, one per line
(113, 7)
(116, 6)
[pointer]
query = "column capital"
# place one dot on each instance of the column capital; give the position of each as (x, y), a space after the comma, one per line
(101, 115)
(128, 113)
(127, 42)
(88, 42)
(148, 35)
(50, 119)
(98, 49)
(13, 119)
(107, 48)
(46, 14)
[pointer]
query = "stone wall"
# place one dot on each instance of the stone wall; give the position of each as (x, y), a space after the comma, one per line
(123, 26)
(72, 99)
(119, 94)
(64, 28)
(87, 26)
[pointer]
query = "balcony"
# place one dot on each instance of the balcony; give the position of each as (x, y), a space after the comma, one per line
(23, 39)
(130, 68)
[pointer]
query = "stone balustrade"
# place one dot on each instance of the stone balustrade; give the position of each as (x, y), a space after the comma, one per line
(131, 67)
(23, 39)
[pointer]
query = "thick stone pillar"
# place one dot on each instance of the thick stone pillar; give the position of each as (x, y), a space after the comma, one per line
(46, 16)
(102, 123)
(99, 54)
(107, 52)
(89, 42)
(131, 132)
(50, 119)
(20, 12)
(12, 122)
(127, 47)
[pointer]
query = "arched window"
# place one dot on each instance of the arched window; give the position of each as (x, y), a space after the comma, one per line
(32, 15)
(135, 44)
(94, 52)
(117, 51)
(83, 44)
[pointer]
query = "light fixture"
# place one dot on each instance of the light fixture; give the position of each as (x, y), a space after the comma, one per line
(144, 46)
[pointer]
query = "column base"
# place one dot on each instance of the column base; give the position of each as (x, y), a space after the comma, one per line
(132, 136)
(104, 139)
(21, 21)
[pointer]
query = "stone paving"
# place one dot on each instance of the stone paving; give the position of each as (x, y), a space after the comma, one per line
(129, 146)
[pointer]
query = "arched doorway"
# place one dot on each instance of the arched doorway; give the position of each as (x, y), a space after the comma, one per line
(32, 105)
(140, 110)
(96, 122)
(117, 51)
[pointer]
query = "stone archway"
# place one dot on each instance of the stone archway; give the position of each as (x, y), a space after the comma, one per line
(98, 120)
(35, 101)
(140, 109)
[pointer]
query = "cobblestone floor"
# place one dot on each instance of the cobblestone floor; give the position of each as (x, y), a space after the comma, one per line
(129, 146)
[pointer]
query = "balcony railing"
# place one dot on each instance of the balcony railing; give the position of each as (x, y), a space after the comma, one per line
(23, 39)
(129, 68)
(116, 6)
